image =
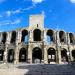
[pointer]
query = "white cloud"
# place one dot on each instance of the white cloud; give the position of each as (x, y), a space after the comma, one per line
(8, 13)
(72, 1)
(16, 11)
(1, 1)
(16, 21)
(37, 1)
(1, 16)
(28, 8)
(8, 22)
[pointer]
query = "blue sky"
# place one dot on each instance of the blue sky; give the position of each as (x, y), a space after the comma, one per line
(59, 14)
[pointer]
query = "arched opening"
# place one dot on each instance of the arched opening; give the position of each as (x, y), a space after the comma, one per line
(71, 36)
(51, 55)
(62, 36)
(4, 37)
(10, 55)
(64, 57)
(1, 55)
(37, 55)
(37, 35)
(24, 37)
(22, 55)
(50, 36)
(73, 55)
(13, 37)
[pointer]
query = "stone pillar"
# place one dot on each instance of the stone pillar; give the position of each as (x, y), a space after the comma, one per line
(29, 54)
(1, 37)
(45, 56)
(69, 48)
(58, 48)
(31, 36)
(70, 53)
(5, 54)
(19, 35)
(16, 57)
(16, 51)
(59, 55)
(68, 39)
(6, 47)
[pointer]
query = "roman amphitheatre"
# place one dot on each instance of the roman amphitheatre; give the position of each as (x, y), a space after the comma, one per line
(35, 46)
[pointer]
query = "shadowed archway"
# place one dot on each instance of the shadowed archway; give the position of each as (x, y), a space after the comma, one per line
(13, 37)
(51, 55)
(4, 38)
(37, 55)
(24, 37)
(71, 36)
(50, 36)
(10, 55)
(37, 35)
(73, 55)
(62, 37)
(23, 55)
(64, 57)
(1, 55)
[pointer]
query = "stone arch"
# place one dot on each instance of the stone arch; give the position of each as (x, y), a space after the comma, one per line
(1, 54)
(73, 54)
(37, 35)
(23, 55)
(13, 37)
(4, 37)
(36, 55)
(10, 58)
(64, 57)
(50, 36)
(62, 36)
(51, 55)
(71, 36)
(24, 37)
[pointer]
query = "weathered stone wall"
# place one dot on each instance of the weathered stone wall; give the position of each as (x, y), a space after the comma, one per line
(37, 23)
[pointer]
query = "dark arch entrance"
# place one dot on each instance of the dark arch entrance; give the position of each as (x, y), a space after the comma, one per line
(62, 36)
(37, 55)
(1, 55)
(22, 55)
(50, 36)
(71, 36)
(10, 55)
(37, 35)
(24, 37)
(13, 37)
(4, 37)
(51, 55)
(73, 55)
(64, 57)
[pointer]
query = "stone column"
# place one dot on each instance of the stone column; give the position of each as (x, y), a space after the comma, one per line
(58, 48)
(16, 51)
(6, 47)
(1, 37)
(5, 54)
(59, 55)
(70, 58)
(19, 35)
(16, 57)
(29, 54)
(45, 56)
(69, 48)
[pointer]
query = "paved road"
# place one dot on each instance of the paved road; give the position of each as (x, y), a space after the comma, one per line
(38, 69)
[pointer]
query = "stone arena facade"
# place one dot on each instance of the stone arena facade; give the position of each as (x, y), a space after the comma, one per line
(37, 44)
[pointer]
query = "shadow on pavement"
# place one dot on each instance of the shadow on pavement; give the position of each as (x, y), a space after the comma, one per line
(48, 69)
